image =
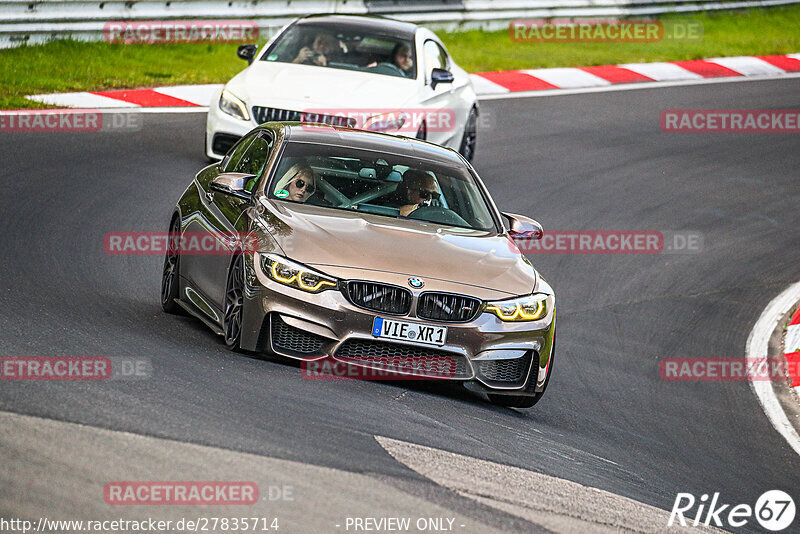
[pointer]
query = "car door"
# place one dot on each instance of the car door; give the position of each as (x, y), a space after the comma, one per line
(223, 218)
(446, 102)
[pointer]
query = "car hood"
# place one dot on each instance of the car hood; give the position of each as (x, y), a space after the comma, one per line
(300, 87)
(356, 245)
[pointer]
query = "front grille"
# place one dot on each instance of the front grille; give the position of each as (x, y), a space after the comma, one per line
(379, 297)
(223, 142)
(262, 115)
(509, 372)
(447, 307)
(288, 338)
(406, 358)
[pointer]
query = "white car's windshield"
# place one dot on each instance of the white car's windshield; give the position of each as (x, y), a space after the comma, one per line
(379, 183)
(345, 48)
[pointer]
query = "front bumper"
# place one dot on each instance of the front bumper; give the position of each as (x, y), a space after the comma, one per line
(488, 354)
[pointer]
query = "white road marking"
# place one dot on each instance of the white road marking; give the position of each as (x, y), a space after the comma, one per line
(748, 66)
(757, 350)
(556, 504)
(568, 78)
(662, 72)
(634, 86)
(196, 94)
(81, 100)
(486, 87)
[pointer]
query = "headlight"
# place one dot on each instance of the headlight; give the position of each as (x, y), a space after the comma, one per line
(529, 308)
(295, 275)
(233, 106)
(385, 122)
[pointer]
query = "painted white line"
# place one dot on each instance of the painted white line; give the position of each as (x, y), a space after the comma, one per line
(81, 100)
(196, 94)
(662, 72)
(793, 56)
(757, 351)
(554, 503)
(568, 78)
(485, 87)
(749, 66)
(634, 86)
(792, 343)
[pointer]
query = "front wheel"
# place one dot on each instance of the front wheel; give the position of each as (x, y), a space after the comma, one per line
(470, 140)
(234, 303)
(170, 276)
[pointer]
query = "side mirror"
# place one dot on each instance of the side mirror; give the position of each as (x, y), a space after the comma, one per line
(521, 227)
(440, 76)
(233, 184)
(247, 52)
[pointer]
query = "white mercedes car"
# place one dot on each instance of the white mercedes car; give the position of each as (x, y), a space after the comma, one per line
(360, 72)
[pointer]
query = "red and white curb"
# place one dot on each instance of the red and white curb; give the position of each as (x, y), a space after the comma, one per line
(757, 351)
(791, 348)
(490, 84)
(513, 81)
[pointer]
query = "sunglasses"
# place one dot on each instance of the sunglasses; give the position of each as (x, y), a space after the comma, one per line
(300, 184)
(428, 195)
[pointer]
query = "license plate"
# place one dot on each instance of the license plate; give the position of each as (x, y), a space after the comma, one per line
(418, 333)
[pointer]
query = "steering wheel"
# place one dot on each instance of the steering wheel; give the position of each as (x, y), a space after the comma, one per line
(385, 67)
(438, 214)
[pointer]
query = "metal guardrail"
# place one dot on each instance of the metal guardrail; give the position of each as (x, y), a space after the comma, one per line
(35, 21)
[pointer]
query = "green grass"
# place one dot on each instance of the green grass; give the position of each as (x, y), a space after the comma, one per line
(63, 66)
(741, 33)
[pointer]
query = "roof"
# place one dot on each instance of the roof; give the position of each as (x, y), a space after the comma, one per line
(365, 23)
(332, 135)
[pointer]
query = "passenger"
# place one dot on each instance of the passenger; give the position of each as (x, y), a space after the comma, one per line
(401, 56)
(324, 48)
(297, 184)
(417, 189)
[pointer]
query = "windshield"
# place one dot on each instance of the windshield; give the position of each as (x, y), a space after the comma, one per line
(345, 48)
(378, 183)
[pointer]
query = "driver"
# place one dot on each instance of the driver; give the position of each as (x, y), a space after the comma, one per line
(324, 48)
(417, 189)
(401, 56)
(297, 184)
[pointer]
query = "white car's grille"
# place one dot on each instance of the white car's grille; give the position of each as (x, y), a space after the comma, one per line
(263, 114)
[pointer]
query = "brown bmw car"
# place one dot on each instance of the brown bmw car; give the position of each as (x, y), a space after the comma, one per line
(367, 249)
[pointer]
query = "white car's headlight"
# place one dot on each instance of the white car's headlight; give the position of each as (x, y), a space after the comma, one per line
(386, 122)
(528, 308)
(233, 106)
(287, 272)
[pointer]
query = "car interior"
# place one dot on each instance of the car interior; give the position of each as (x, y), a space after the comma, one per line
(357, 50)
(371, 186)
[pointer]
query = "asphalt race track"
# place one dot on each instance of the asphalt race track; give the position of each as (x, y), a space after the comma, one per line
(608, 420)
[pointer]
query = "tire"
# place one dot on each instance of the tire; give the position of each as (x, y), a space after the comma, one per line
(522, 401)
(170, 275)
(234, 304)
(470, 140)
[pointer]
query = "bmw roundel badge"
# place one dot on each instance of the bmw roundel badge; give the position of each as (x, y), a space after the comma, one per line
(415, 282)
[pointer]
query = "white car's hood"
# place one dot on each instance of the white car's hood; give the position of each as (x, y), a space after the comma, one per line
(302, 87)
